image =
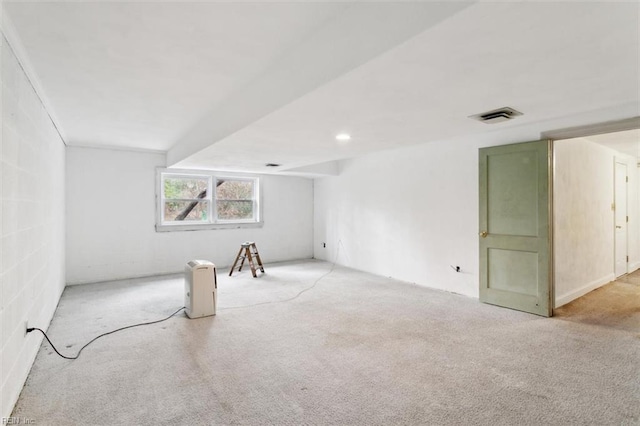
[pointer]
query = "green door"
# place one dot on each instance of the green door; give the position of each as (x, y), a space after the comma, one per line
(515, 237)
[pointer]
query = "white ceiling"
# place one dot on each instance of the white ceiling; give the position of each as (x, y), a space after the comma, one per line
(232, 86)
(627, 142)
(140, 74)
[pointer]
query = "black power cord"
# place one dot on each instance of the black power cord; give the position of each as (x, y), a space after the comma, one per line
(312, 286)
(29, 330)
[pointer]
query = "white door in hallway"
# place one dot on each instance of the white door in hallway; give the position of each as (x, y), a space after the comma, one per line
(621, 219)
(515, 237)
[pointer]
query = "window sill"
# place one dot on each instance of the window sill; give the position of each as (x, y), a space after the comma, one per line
(208, 226)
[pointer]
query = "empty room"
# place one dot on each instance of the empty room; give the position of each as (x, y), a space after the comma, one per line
(319, 212)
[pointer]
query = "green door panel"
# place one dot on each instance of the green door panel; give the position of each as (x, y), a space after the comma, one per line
(515, 250)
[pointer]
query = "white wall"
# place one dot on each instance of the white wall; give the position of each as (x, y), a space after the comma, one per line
(411, 213)
(111, 220)
(408, 213)
(32, 225)
(584, 220)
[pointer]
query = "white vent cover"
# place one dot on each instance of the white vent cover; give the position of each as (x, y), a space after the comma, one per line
(497, 115)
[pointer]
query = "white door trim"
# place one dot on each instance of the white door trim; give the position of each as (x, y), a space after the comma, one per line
(616, 183)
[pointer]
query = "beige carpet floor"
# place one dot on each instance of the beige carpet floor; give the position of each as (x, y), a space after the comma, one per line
(356, 349)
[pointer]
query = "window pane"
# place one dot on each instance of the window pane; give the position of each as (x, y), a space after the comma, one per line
(234, 190)
(234, 199)
(236, 209)
(186, 211)
(178, 187)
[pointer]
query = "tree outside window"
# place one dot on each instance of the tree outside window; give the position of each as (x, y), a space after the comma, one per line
(187, 199)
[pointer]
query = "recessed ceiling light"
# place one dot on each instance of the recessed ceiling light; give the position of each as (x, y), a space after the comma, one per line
(343, 137)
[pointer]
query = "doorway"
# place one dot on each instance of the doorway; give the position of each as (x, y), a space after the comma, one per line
(596, 212)
(581, 253)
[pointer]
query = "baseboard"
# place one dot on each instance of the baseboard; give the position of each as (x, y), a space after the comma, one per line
(167, 274)
(573, 295)
(125, 278)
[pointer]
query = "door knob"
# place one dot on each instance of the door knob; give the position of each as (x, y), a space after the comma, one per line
(483, 234)
(618, 226)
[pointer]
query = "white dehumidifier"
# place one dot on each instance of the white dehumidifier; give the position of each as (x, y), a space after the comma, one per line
(200, 287)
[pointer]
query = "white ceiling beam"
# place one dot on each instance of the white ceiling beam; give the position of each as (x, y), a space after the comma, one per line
(362, 32)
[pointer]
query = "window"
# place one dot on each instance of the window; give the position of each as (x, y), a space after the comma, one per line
(200, 200)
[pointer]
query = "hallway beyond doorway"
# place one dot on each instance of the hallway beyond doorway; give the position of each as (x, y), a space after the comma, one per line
(615, 305)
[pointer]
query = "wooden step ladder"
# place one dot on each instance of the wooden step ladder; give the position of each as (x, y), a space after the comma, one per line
(248, 250)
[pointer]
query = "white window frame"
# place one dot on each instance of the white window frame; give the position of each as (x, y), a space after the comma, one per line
(212, 221)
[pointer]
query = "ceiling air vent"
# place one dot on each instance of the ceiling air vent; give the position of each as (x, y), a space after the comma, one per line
(497, 115)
